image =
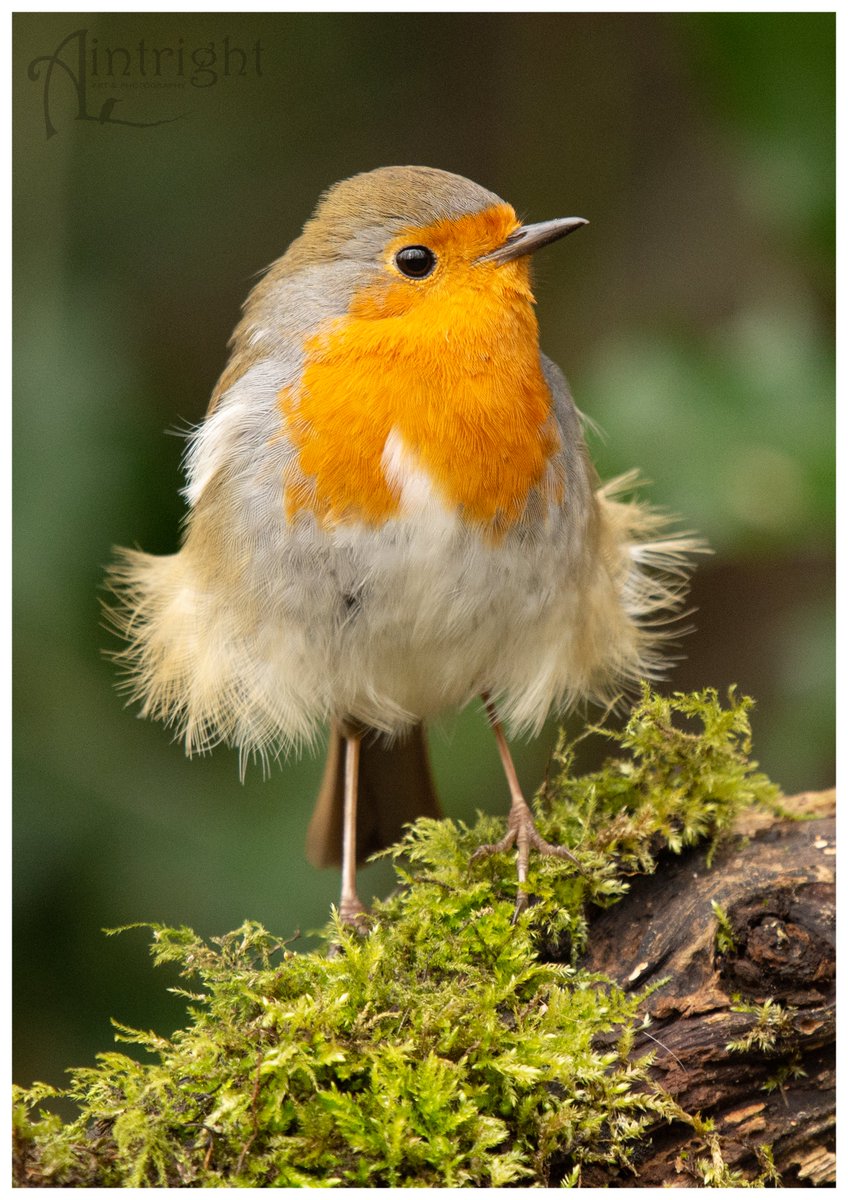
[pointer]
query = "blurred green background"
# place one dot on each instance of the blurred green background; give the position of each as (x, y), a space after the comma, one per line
(693, 317)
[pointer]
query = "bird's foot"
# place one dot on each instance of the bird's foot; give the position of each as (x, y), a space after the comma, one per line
(523, 834)
(353, 913)
(355, 918)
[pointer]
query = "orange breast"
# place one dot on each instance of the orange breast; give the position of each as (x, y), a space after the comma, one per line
(453, 372)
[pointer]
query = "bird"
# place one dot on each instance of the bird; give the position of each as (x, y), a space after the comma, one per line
(391, 510)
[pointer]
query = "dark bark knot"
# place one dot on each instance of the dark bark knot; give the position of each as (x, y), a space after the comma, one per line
(783, 941)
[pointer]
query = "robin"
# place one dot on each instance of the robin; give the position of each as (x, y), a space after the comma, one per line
(392, 510)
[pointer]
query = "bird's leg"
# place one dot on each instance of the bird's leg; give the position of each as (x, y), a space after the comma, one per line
(351, 907)
(521, 828)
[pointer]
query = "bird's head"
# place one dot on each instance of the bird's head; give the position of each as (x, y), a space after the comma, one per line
(399, 240)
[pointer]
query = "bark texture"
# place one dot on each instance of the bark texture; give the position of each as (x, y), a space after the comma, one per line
(775, 883)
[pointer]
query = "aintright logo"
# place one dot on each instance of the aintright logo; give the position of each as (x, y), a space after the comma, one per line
(81, 66)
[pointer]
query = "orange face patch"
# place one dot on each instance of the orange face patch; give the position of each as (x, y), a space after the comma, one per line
(449, 364)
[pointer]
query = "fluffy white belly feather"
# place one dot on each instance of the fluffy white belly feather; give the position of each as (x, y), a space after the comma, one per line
(256, 638)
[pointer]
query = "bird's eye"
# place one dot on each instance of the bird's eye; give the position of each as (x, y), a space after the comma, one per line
(417, 262)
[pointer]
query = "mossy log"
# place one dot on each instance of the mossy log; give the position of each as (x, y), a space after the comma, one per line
(662, 1013)
(743, 1028)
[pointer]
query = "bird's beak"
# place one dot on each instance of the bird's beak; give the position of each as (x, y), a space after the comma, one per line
(528, 238)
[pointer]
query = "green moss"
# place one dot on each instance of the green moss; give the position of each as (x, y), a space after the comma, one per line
(771, 1032)
(443, 1047)
(771, 1035)
(724, 938)
(715, 1172)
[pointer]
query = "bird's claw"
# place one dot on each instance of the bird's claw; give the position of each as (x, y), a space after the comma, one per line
(522, 832)
(354, 915)
(546, 848)
(506, 843)
(355, 918)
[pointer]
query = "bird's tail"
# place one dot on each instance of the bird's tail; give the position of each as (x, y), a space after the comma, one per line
(395, 787)
(178, 657)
